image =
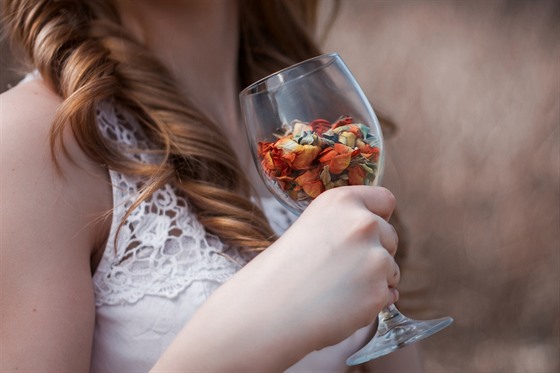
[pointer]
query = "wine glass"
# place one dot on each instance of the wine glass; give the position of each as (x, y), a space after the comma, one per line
(311, 128)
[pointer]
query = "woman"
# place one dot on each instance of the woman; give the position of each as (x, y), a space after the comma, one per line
(133, 248)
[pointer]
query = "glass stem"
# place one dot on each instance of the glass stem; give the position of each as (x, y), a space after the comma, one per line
(388, 318)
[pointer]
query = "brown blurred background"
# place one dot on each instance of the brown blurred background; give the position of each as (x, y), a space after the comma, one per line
(474, 87)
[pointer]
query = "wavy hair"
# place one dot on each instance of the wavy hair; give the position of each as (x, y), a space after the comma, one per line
(85, 55)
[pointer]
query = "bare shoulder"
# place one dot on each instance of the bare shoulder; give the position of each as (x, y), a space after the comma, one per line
(27, 112)
(49, 227)
(28, 102)
(28, 170)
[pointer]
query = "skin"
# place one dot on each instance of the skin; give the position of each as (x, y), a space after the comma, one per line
(202, 35)
(327, 282)
(48, 234)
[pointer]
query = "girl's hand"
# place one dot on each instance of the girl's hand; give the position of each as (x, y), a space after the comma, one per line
(326, 277)
(335, 264)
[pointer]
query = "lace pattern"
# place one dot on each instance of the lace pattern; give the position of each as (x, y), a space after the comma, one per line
(161, 248)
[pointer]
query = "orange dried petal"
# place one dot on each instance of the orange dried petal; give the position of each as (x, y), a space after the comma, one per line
(341, 148)
(308, 176)
(310, 182)
(343, 122)
(313, 189)
(268, 162)
(356, 175)
(288, 157)
(305, 156)
(339, 163)
(356, 131)
(326, 155)
(320, 126)
(369, 152)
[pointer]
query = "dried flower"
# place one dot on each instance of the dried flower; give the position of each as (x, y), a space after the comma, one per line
(309, 158)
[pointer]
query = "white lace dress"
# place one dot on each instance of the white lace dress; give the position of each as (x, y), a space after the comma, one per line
(162, 268)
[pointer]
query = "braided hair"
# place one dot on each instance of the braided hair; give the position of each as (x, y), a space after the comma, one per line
(86, 56)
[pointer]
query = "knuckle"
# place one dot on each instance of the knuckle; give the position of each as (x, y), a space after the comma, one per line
(370, 224)
(397, 275)
(380, 259)
(366, 227)
(393, 241)
(390, 197)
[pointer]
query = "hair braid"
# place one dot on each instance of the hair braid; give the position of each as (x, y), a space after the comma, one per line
(85, 56)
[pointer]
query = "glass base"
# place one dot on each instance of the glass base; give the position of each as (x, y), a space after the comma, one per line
(395, 334)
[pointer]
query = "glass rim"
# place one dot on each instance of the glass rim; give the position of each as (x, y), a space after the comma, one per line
(246, 91)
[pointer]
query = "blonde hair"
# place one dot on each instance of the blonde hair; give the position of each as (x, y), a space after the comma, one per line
(86, 56)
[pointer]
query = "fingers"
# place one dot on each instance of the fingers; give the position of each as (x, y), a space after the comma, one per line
(393, 297)
(388, 237)
(394, 276)
(381, 202)
(378, 200)
(392, 283)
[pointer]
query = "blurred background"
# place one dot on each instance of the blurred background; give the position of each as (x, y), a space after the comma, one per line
(474, 87)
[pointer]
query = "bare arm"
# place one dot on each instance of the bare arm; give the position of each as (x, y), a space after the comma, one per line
(47, 231)
(326, 277)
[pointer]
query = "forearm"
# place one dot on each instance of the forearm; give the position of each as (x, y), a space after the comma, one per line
(243, 326)
(311, 289)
